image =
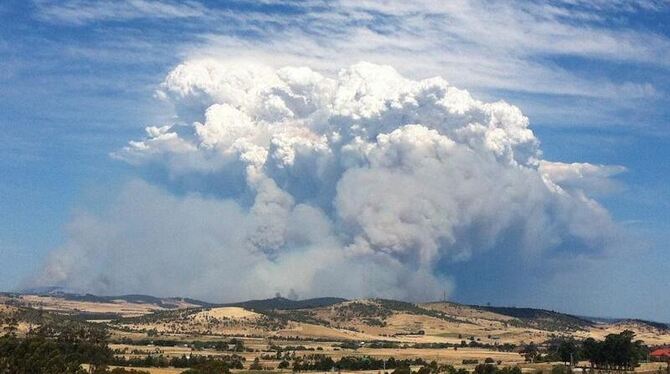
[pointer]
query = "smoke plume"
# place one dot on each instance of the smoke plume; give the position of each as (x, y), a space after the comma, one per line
(361, 184)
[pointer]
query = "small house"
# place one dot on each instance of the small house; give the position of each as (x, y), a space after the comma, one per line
(661, 353)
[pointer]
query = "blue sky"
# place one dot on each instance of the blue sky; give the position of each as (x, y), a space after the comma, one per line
(77, 81)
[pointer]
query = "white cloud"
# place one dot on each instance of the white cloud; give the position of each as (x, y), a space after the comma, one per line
(484, 44)
(82, 12)
(594, 179)
(310, 176)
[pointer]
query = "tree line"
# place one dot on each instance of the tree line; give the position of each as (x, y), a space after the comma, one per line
(63, 346)
(616, 352)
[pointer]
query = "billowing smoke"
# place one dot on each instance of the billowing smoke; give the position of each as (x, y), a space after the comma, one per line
(362, 184)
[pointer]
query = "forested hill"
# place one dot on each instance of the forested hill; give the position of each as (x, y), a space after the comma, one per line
(280, 303)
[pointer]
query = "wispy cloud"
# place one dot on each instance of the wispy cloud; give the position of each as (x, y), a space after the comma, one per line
(79, 12)
(513, 46)
(478, 44)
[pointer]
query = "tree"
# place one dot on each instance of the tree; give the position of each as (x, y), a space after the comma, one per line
(616, 351)
(12, 326)
(591, 351)
(485, 369)
(530, 352)
(36, 355)
(568, 351)
(510, 370)
(256, 365)
(58, 348)
(209, 367)
(402, 370)
(239, 345)
(424, 370)
(127, 371)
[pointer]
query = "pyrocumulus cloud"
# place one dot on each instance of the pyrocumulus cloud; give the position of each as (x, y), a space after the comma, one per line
(359, 184)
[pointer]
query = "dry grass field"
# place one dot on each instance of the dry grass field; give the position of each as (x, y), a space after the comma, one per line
(357, 320)
(121, 307)
(233, 313)
(407, 331)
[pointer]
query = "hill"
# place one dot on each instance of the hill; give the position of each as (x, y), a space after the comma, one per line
(99, 307)
(335, 319)
(650, 324)
(541, 318)
(281, 303)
